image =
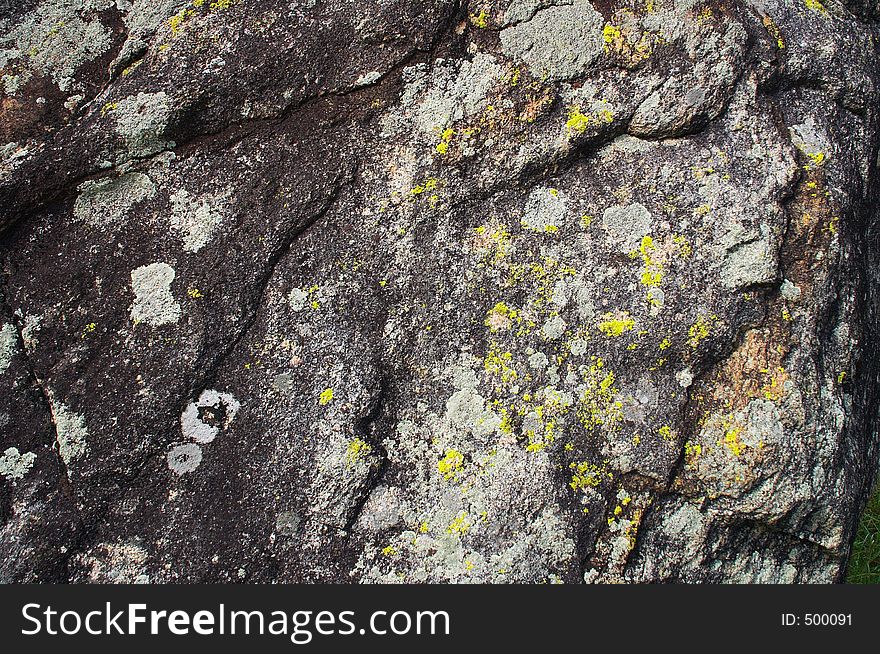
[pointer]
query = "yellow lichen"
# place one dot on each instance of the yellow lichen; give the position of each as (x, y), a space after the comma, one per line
(357, 450)
(614, 324)
(700, 329)
(578, 122)
(480, 20)
(459, 525)
(497, 364)
(325, 397)
(774, 31)
(451, 464)
(445, 138)
(501, 317)
(586, 475)
(598, 405)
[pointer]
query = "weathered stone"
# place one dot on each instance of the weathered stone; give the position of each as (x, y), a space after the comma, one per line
(544, 290)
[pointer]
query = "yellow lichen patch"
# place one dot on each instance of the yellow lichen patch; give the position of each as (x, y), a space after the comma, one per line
(133, 67)
(480, 20)
(357, 449)
(702, 210)
(706, 14)
(701, 329)
(459, 525)
(501, 317)
(451, 464)
(667, 434)
(612, 36)
(176, 21)
(598, 405)
(446, 137)
(774, 384)
(578, 122)
(389, 550)
(815, 5)
(652, 270)
(627, 42)
(616, 323)
(497, 364)
(731, 440)
(816, 159)
(774, 31)
(494, 242)
(692, 452)
(683, 246)
(89, 329)
(430, 184)
(587, 475)
(546, 418)
(194, 293)
(326, 397)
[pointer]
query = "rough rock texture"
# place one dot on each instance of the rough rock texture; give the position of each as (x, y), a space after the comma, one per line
(413, 290)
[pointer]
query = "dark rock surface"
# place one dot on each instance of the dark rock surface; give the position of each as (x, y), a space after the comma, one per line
(414, 290)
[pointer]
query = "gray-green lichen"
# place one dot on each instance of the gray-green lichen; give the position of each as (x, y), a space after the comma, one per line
(71, 433)
(185, 458)
(107, 202)
(203, 419)
(153, 302)
(627, 225)
(14, 465)
(452, 90)
(142, 121)
(8, 345)
(560, 42)
(54, 40)
(196, 220)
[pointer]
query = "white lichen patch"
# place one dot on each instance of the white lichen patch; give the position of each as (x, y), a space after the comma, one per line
(558, 42)
(196, 220)
(553, 328)
(153, 302)
(71, 433)
(8, 345)
(202, 420)
(298, 299)
(368, 79)
(107, 202)
(466, 409)
(14, 465)
(450, 91)
(627, 225)
(184, 458)
(142, 120)
(544, 210)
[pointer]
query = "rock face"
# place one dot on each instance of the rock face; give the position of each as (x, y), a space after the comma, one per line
(413, 290)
